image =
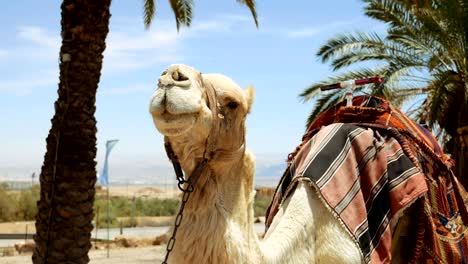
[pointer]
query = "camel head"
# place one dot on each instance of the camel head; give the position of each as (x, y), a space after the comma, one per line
(188, 105)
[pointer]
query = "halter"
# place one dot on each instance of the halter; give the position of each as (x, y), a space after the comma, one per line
(209, 145)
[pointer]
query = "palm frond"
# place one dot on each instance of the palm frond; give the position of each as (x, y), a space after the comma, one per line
(355, 57)
(251, 5)
(423, 55)
(313, 90)
(345, 43)
(182, 11)
(394, 13)
(149, 9)
(323, 103)
(438, 97)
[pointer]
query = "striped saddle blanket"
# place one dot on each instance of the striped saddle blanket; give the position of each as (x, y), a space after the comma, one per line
(370, 162)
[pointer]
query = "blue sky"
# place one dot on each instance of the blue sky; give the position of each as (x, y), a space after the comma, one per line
(278, 59)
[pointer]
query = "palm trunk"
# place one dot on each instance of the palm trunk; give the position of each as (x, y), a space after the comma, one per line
(461, 168)
(65, 208)
(460, 148)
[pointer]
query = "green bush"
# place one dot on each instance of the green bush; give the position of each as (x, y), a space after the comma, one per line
(21, 206)
(18, 205)
(122, 207)
(261, 204)
(26, 204)
(156, 207)
(7, 205)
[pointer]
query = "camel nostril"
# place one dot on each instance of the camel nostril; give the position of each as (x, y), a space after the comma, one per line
(175, 75)
(178, 76)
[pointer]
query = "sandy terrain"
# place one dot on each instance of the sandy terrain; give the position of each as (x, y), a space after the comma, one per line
(17, 227)
(153, 254)
(140, 191)
(124, 191)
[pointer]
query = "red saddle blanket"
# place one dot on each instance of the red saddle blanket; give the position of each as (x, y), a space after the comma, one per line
(369, 162)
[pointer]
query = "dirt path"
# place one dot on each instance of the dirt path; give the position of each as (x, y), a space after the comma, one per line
(17, 227)
(117, 256)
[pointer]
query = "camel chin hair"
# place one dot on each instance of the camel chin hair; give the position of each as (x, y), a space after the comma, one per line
(218, 220)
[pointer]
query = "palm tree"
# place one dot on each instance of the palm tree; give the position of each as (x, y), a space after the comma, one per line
(424, 55)
(68, 174)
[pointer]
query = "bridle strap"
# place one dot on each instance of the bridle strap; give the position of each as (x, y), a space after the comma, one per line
(210, 145)
(215, 122)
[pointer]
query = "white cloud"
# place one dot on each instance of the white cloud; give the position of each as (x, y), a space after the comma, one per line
(24, 85)
(127, 41)
(39, 36)
(304, 32)
(127, 90)
(216, 26)
(3, 54)
(312, 31)
(132, 48)
(128, 48)
(223, 23)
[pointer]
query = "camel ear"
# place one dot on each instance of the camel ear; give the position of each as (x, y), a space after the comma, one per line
(250, 95)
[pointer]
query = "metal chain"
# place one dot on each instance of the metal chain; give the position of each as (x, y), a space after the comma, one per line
(187, 191)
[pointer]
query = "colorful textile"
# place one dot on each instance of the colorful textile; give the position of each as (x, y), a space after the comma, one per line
(375, 112)
(439, 220)
(364, 178)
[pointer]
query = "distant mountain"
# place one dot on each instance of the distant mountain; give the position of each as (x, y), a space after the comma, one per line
(274, 171)
(145, 171)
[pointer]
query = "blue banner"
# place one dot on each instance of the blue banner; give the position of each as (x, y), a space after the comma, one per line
(104, 177)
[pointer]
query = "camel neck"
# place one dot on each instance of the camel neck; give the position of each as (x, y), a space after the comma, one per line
(219, 214)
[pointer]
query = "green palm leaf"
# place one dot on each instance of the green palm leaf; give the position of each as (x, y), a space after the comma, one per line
(251, 5)
(149, 9)
(324, 102)
(426, 43)
(182, 11)
(312, 91)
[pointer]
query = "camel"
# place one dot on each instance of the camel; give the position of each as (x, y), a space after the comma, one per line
(314, 219)
(202, 117)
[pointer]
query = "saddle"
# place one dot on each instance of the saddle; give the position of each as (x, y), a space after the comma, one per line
(438, 217)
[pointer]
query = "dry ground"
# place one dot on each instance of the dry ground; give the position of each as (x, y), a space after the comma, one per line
(148, 254)
(140, 191)
(154, 254)
(17, 227)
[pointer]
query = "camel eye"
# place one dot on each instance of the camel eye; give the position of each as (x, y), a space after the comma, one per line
(232, 105)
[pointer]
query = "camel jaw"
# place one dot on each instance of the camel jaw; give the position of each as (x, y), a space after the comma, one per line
(174, 124)
(175, 109)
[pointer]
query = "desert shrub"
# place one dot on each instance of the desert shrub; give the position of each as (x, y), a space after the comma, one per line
(21, 205)
(7, 205)
(26, 203)
(18, 205)
(156, 207)
(261, 204)
(122, 207)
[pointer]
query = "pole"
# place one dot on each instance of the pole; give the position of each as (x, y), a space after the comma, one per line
(105, 182)
(97, 227)
(107, 219)
(26, 235)
(32, 179)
